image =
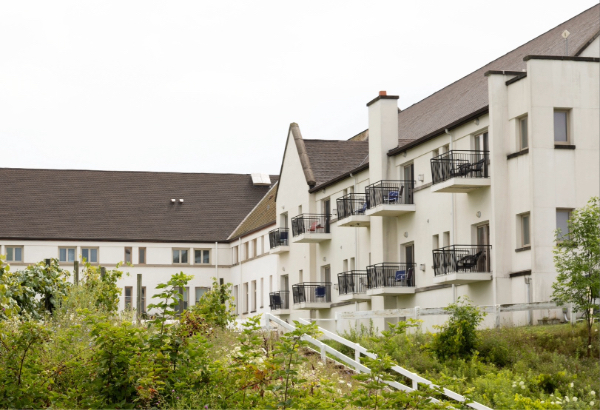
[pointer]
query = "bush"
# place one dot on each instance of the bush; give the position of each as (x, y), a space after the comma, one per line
(458, 337)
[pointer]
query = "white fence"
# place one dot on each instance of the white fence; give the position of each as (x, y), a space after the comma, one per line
(358, 350)
(418, 312)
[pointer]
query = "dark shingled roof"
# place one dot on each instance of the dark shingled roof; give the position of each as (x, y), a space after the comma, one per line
(470, 93)
(127, 206)
(329, 159)
(263, 214)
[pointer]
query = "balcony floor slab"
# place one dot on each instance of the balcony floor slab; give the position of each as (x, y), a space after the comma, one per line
(355, 221)
(312, 237)
(391, 210)
(280, 312)
(279, 249)
(391, 291)
(353, 297)
(312, 305)
(461, 185)
(462, 278)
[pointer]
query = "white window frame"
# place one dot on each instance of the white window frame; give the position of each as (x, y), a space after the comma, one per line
(66, 249)
(179, 256)
(203, 252)
(89, 249)
(520, 132)
(14, 247)
(567, 112)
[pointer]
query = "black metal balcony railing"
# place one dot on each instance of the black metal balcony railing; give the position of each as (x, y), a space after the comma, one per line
(461, 258)
(351, 204)
(390, 192)
(354, 281)
(279, 300)
(461, 164)
(388, 274)
(279, 237)
(312, 292)
(310, 223)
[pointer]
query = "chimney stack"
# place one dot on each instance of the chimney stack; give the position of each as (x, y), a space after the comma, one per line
(383, 134)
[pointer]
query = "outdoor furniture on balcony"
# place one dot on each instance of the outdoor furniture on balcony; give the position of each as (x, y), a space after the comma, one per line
(312, 295)
(351, 210)
(279, 240)
(279, 302)
(460, 264)
(460, 171)
(352, 286)
(391, 279)
(390, 198)
(311, 228)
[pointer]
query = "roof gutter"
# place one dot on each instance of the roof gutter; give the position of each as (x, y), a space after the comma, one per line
(441, 131)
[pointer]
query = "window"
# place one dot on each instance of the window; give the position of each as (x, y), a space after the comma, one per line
(561, 127)
(66, 254)
(246, 250)
(446, 239)
(246, 297)
(128, 297)
(90, 254)
(254, 248)
(128, 255)
(345, 265)
(481, 142)
(352, 264)
(14, 254)
(142, 256)
(186, 292)
(199, 292)
(523, 133)
(525, 230)
(435, 242)
(562, 223)
(201, 256)
(235, 253)
(262, 292)
(435, 153)
(180, 256)
(143, 299)
(253, 295)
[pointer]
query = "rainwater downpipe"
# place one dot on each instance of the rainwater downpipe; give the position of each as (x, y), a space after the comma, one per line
(452, 238)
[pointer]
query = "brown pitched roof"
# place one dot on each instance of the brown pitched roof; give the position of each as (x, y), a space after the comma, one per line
(470, 93)
(263, 214)
(123, 206)
(329, 159)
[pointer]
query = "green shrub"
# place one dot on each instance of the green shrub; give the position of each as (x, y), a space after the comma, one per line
(458, 337)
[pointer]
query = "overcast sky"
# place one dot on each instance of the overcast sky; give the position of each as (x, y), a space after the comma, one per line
(212, 86)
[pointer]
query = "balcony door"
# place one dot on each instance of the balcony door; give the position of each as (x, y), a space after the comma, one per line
(285, 284)
(409, 176)
(483, 239)
(326, 274)
(409, 258)
(327, 212)
(481, 142)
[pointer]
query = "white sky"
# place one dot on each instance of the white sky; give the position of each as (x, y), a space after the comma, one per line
(205, 86)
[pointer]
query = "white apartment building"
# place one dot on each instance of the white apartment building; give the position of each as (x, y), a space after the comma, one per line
(458, 194)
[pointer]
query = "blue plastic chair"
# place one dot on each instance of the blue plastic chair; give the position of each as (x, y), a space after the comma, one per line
(320, 291)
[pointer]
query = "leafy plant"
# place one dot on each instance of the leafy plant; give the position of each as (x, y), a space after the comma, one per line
(458, 337)
(577, 261)
(216, 306)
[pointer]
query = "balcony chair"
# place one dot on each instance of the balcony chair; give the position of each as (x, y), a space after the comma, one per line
(283, 238)
(362, 209)
(393, 197)
(315, 227)
(320, 292)
(400, 275)
(468, 262)
(275, 302)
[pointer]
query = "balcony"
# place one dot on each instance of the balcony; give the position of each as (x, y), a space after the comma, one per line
(388, 279)
(279, 240)
(311, 228)
(279, 302)
(460, 264)
(460, 171)
(352, 286)
(351, 210)
(390, 198)
(312, 295)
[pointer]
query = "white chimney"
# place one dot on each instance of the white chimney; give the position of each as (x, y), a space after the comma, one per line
(383, 134)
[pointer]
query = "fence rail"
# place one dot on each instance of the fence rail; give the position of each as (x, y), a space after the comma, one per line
(358, 350)
(312, 292)
(279, 300)
(460, 164)
(389, 192)
(351, 204)
(279, 237)
(310, 223)
(354, 281)
(461, 258)
(388, 274)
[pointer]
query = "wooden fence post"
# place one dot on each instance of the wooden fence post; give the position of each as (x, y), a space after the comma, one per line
(497, 309)
(572, 318)
(323, 353)
(102, 273)
(76, 272)
(138, 305)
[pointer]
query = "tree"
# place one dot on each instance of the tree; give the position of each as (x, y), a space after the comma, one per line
(577, 261)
